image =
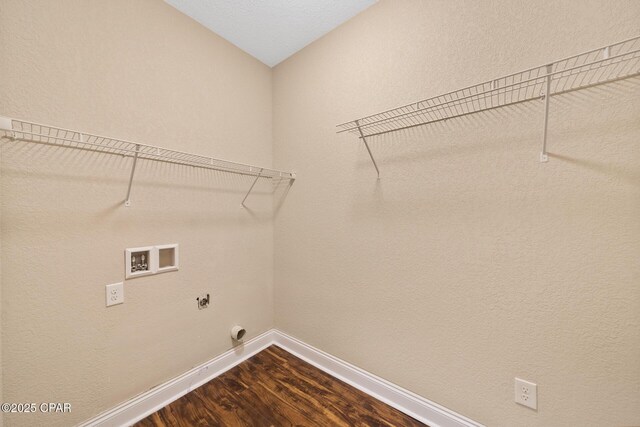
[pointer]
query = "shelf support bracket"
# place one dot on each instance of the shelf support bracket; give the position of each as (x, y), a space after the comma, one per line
(368, 149)
(544, 156)
(127, 201)
(7, 124)
(251, 188)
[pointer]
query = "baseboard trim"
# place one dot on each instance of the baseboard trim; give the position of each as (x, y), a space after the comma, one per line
(160, 396)
(416, 406)
(405, 401)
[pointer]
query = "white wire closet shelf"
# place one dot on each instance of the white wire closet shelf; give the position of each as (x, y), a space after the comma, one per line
(595, 67)
(23, 130)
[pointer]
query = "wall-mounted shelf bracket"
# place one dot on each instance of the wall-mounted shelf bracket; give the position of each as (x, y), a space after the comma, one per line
(368, 149)
(544, 157)
(127, 201)
(251, 188)
(6, 123)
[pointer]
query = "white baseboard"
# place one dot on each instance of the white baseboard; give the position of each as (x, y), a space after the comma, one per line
(405, 401)
(160, 396)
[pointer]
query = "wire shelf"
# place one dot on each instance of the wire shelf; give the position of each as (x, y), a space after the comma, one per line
(598, 66)
(22, 130)
(35, 132)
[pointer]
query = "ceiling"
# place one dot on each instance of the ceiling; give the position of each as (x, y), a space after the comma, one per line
(271, 30)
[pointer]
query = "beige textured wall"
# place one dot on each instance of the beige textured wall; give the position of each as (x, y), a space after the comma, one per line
(468, 263)
(138, 70)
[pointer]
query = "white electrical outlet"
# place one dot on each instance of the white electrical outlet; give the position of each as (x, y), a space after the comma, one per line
(115, 294)
(526, 393)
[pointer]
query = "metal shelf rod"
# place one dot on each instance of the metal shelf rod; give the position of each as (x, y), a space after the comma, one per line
(369, 150)
(127, 201)
(251, 188)
(547, 98)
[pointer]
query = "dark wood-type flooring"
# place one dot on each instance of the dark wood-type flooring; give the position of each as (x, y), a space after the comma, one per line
(274, 388)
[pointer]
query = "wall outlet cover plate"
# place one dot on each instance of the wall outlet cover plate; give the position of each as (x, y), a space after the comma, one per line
(526, 393)
(114, 294)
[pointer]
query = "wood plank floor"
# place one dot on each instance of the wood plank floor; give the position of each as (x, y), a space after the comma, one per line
(274, 388)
